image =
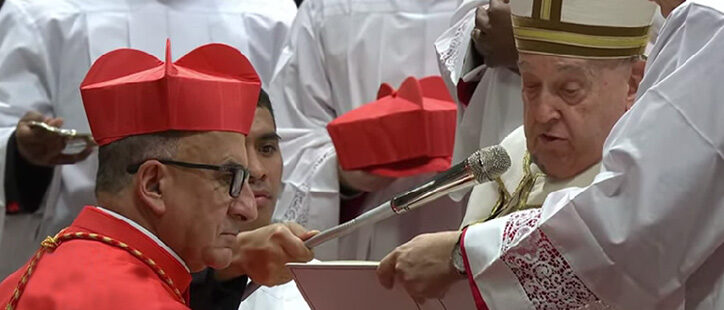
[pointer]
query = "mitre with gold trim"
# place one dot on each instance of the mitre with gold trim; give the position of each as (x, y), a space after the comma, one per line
(582, 28)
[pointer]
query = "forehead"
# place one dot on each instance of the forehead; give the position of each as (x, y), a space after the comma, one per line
(213, 147)
(263, 124)
(554, 64)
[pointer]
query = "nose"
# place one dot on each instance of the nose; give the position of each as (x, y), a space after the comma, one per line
(258, 172)
(244, 206)
(546, 110)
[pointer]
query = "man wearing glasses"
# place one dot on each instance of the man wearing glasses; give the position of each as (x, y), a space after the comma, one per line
(172, 189)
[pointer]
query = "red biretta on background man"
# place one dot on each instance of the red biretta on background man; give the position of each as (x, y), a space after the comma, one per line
(403, 133)
(104, 260)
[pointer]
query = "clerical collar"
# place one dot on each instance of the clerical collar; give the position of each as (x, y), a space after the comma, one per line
(147, 233)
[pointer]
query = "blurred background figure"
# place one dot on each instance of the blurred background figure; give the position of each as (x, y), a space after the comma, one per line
(337, 55)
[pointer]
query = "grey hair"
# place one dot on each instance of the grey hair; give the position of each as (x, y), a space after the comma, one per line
(114, 158)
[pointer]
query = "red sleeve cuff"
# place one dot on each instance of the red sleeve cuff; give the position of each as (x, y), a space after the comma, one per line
(479, 302)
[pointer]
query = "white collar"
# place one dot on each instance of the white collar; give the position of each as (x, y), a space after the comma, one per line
(147, 233)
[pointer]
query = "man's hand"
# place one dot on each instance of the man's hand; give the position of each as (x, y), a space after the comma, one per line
(262, 254)
(493, 35)
(423, 266)
(43, 148)
(363, 181)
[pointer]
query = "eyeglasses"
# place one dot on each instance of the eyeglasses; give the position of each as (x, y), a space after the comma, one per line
(238, 172)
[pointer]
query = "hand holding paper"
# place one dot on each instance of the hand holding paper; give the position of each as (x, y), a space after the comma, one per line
(422, 266)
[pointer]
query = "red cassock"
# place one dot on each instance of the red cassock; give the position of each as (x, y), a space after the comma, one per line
(125, 270)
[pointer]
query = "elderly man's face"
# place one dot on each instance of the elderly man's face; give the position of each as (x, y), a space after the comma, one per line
(206, 217)
(570, 106)
(265, 165)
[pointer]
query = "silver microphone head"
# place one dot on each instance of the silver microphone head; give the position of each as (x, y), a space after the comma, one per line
(489, 163)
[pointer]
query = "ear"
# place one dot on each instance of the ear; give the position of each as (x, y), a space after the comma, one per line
(150, 178)
(637, 74)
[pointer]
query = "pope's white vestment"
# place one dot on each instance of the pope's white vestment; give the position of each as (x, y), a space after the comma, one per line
(648, 233)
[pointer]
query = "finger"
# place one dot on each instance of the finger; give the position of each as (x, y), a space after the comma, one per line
(296, 229)
(309, 234)
(32, 116)
(55, 122)
(419, 300)
(476, 34)
(386, 270)
(294, 247)
(67, 159)
(480, 13)
(283, 276)
(481, 18)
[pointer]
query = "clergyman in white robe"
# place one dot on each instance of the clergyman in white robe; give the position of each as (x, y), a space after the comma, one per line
(337, 55)
(648, 233)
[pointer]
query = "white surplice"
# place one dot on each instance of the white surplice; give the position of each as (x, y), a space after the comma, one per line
(281, 297)
(338, 54)
(495, 108)
(46, 48)
(648, 233)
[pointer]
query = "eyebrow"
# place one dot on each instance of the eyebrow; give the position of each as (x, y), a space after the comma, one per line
(230, 163)
(269, 136)
(523, 64)
(577, 69)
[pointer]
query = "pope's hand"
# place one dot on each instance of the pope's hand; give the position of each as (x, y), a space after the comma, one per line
(42, 148)
(262, 254)
(422, 266)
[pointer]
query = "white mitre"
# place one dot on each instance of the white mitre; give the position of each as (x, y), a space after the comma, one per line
(582, 28)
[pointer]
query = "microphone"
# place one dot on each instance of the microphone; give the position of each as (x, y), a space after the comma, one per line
(482, 166)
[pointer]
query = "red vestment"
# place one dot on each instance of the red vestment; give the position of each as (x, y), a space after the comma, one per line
(88, 274)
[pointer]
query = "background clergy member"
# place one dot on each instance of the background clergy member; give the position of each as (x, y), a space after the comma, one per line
(337, 55)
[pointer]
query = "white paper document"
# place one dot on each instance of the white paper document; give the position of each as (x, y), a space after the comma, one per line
(353, 285)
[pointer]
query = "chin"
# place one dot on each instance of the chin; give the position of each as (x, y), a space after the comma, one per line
(217, 258)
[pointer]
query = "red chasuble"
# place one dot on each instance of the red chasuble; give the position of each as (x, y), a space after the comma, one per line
(93, 274)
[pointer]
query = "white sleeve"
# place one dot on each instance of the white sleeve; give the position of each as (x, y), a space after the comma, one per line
(273, 30)
(651, 220)
(26, 79)
(453, 46)
(301, 95)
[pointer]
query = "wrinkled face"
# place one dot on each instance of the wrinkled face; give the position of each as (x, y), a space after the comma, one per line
(265, 165)
(668, 5)
(570, 106)
(202, 218)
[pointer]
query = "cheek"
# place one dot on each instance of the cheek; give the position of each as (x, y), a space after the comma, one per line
(212, 204)
(528, 117)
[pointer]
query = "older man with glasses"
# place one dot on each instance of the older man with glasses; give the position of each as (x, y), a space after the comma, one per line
(172, 189)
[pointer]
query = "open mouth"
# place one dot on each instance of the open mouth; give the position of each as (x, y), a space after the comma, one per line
(550, 138)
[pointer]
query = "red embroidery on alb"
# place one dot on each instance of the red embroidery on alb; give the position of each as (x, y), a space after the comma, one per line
(548, 280)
